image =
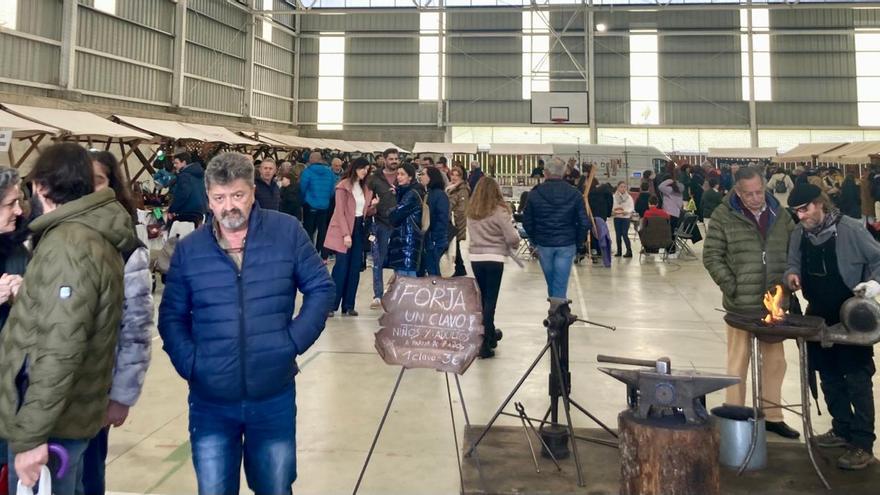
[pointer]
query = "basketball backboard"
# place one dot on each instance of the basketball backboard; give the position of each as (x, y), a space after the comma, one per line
(560, 107)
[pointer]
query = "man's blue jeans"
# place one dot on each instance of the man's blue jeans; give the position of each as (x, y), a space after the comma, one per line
(556, 263)
(379, 252)
(71, 483)
(262, 431)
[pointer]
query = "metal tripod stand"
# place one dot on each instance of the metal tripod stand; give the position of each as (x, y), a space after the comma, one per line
(554, 434)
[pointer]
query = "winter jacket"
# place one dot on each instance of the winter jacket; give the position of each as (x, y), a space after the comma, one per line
(406, 238)
(290, 202)
(437, 236)
(624, 202)
(711, 200)
(189, 195)
(601, 202)
(58, 348)
(316, 186)
(494, 234)
(342, 223)
(474, 177)
(555, 215)
(641, 205)
(14, 257)
(858, 254)
(777, 178)
(458, 200)
(267, 195)
(849, 200)
(672, 201)
(387, 197)
(230, 333)
(742, 262)
(134, 344)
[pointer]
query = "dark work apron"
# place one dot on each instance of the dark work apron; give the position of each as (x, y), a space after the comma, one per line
(825, 291)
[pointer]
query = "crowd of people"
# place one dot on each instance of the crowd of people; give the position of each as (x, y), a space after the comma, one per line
(76, 302)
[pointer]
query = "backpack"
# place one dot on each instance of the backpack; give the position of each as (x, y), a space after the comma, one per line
(875, 187)
(780, 187)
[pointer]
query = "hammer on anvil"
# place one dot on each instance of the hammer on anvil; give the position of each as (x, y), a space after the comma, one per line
(660, 392)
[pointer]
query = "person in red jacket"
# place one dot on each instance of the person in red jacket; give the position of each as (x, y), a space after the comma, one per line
(653, 210)
(346, 234)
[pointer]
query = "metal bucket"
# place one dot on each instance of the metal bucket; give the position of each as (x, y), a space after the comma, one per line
(736, 424)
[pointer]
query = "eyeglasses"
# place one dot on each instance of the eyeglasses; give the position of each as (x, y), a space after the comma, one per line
(799, 209)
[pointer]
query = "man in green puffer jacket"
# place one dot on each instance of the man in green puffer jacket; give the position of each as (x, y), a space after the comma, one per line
(57, 348)
(745, 253)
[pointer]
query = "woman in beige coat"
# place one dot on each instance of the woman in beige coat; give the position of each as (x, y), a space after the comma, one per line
(458, 193)
(492, 238)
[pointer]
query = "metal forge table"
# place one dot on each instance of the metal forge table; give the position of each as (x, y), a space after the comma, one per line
(860, 325)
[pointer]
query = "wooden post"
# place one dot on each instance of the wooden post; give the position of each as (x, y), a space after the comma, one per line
(658, 459)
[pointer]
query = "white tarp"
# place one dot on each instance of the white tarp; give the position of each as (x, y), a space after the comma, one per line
(445, 148)
(852, 154)
(165, 128)
(289, 141)
(76, 123)
(520, 149)
(805, 152)
(217, 134)
(22, 128)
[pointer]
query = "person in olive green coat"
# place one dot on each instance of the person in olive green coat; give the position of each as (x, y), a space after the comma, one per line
(745, 253)
(58, 346)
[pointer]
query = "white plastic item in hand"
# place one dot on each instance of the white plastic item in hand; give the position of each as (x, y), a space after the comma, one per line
(44, 485)
(869, 289)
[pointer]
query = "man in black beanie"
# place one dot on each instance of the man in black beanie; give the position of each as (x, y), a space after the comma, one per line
(832, 258)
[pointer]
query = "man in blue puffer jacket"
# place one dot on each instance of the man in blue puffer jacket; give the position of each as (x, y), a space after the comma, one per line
(317, 187)
(555, 219)
(227, 323)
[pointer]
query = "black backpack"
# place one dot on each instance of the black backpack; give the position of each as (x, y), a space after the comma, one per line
(780, 187)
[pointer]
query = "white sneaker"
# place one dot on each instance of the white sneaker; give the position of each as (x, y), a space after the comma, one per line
(376, 304)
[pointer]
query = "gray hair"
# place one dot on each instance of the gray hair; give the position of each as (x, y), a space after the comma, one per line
(9, 178)
(748, 173)
(556, 167)
(226, 168)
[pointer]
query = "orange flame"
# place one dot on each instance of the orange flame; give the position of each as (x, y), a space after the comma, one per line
(773, 301)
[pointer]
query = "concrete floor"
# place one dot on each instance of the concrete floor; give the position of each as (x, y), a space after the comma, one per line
(660, 309)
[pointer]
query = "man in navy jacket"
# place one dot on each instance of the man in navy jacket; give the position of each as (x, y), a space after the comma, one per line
(226, 320)
(555, 219)
(188, 203)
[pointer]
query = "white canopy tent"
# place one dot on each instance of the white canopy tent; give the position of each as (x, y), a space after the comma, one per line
(167, 129)
(807, 152)
(81, 126)
(857, 153)
(24, 130)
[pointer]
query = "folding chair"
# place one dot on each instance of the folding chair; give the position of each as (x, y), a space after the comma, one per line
(655, 237)
(684, 233)
(525, 250)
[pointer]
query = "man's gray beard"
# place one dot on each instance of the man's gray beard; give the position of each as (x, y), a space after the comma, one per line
(233, 222)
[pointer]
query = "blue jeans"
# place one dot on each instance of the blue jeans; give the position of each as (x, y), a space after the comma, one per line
(379, 253)
(263, 431)
(405, 273)
(94, 462)
(556, 263)
(71, 483)
(347, 269)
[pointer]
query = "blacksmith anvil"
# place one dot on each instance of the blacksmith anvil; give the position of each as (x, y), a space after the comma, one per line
(660, 392)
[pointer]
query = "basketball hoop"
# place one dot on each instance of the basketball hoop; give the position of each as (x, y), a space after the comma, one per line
(559, 120)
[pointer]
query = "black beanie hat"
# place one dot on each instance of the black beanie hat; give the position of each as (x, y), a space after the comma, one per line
(803, 194)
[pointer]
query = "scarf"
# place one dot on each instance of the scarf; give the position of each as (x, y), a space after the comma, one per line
(823, 231)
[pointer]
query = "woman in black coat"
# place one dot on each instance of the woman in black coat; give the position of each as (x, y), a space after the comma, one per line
(849, 201)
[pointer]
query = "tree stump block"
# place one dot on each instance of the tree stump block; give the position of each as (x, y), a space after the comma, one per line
(667, 458)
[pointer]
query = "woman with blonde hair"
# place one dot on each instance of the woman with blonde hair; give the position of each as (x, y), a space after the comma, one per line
(492, 238)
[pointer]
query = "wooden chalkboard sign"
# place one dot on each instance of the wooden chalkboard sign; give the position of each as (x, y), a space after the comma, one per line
(431, 322)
